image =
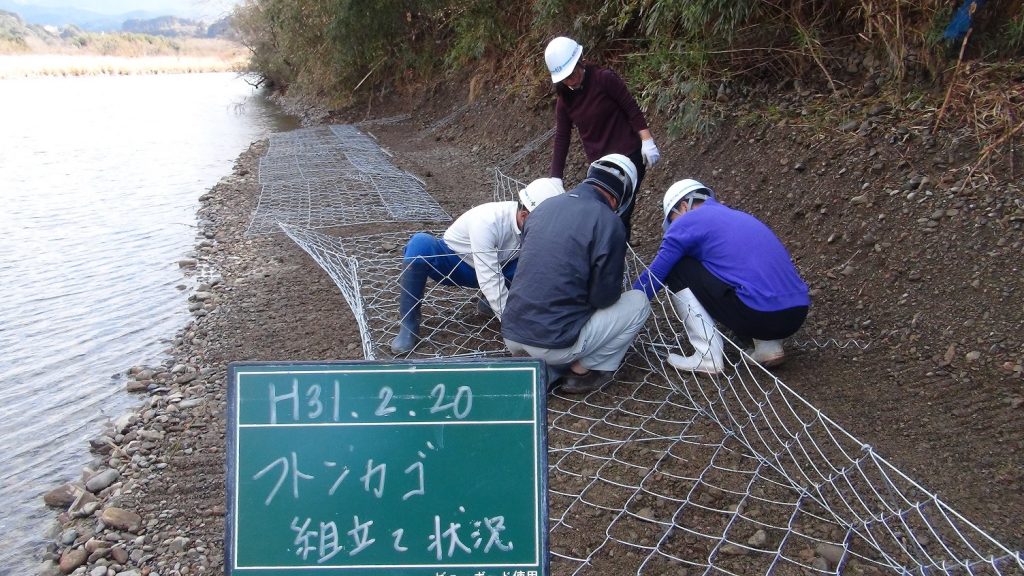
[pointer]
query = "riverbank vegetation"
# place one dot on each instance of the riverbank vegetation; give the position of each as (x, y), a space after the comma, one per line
(685, 61)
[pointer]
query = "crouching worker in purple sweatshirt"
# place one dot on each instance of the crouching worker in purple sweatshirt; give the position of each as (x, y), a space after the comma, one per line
(724, 265)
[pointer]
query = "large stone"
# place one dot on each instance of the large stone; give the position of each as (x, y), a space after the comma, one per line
(62, 496)
(121, 519)
(95, 544)
(72, 559)
(101, 480)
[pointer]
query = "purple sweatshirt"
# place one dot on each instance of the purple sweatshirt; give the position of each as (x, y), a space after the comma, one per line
(605, 114)
(738, 249)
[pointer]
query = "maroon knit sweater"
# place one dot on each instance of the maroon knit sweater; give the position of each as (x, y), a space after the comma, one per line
(605, 114)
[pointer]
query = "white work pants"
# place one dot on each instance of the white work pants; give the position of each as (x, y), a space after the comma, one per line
(604, 339)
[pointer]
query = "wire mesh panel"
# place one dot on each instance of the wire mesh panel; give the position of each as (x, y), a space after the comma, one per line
(674, 472)
(450, 118)
(335, 176)
(301, 141)
(505, 187)
(367, 269)
(321, 163)
(526, 150)
(385, 121)
(319, 203)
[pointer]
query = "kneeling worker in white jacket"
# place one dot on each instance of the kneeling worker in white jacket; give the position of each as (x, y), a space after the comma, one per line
(478, 250)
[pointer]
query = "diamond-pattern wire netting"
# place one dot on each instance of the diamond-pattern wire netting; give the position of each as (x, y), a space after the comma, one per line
(526, 150)
(670, 472)
(452, 116)
(334, 176)
(385, 121)
(366, 270)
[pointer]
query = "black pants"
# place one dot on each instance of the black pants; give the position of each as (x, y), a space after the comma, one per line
(641, 170)
(721, 301)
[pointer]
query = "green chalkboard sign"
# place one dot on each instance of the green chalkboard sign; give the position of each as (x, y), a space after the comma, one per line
(370, 468)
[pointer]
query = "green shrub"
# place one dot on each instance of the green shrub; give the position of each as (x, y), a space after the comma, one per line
(676, 55)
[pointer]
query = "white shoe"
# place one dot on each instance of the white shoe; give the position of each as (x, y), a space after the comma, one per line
(700, 329)
(768, 353)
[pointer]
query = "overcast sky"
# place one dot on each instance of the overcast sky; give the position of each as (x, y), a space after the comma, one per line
(208, 9)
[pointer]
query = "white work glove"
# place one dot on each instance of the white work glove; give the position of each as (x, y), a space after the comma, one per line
(650, 152)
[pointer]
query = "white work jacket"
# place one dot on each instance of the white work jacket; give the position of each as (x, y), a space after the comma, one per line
(486, 237)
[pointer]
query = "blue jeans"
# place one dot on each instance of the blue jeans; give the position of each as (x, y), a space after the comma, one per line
(429, 256)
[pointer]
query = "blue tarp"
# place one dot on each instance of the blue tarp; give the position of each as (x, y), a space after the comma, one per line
(961, 21)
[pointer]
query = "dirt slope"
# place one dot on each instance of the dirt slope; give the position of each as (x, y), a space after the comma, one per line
(915, 340)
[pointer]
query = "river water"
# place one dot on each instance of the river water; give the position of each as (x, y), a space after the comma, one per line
(99, 185)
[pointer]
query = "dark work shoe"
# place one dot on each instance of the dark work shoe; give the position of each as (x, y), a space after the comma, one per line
(593, 380)
(483, 307)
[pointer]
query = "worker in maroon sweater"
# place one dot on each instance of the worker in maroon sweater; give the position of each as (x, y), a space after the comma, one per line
(596, 101)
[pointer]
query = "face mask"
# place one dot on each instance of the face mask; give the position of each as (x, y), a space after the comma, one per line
(580, 85)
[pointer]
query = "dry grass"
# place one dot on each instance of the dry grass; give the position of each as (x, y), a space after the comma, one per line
(32, 65)
(986, 102)
(184, 56)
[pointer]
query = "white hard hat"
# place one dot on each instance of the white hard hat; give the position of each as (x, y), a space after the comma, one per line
(538, 191)
(690, 190)
(615, 173)
(561, 56)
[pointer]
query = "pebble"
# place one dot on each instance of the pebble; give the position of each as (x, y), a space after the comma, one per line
(178, 544)
(820, 564)
(830, 552)
(733, 550)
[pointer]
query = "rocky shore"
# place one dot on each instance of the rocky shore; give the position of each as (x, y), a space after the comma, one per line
(152, 500)
(901, 253)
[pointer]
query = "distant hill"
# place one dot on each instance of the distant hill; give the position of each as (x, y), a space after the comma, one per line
(173, 26)
(62, 16)
(15, 33)
(15, 27)
(138, 21)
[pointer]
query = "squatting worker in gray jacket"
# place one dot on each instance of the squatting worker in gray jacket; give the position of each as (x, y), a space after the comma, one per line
(566, 305)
